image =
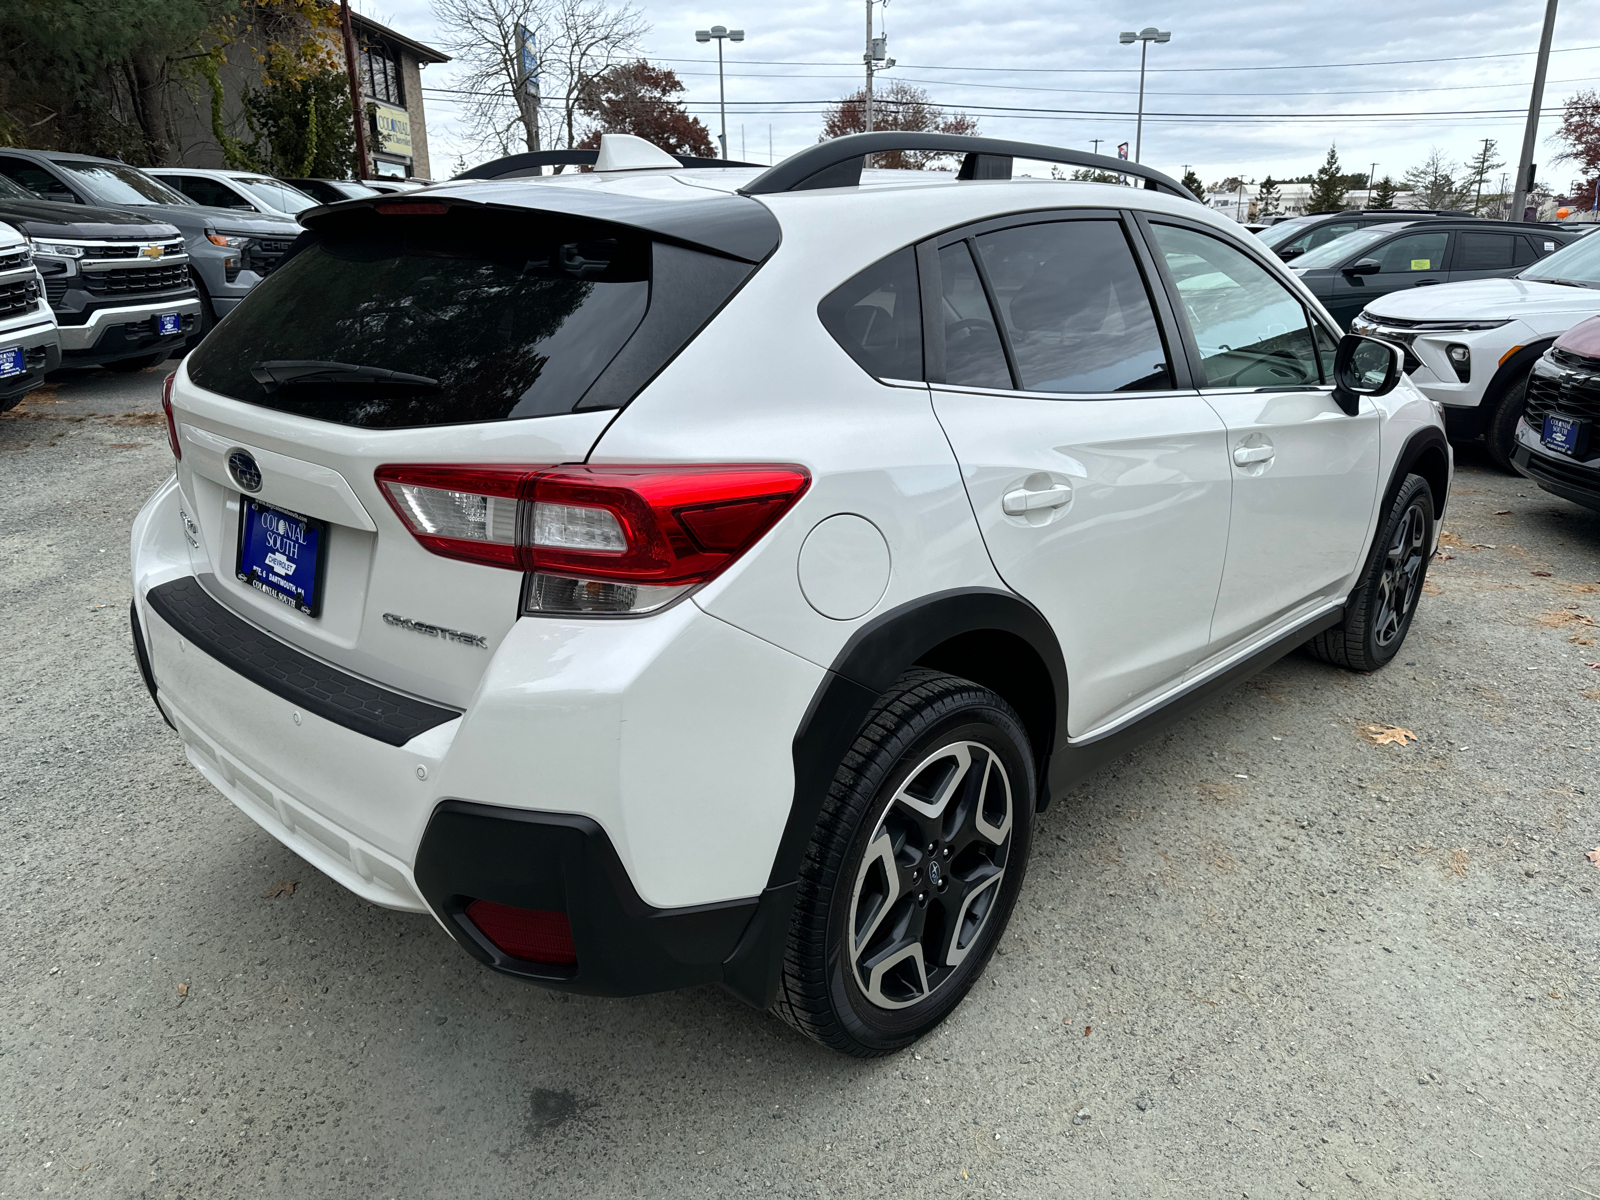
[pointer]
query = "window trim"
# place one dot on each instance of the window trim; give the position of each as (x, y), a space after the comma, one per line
(1174, 346)
(1270, 263)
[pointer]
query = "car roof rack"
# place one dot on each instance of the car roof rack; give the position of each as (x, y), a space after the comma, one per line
(838, 163)
(517, 166)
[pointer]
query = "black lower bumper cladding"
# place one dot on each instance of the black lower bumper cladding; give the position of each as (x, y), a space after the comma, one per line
(1564, 477)
(561, 862)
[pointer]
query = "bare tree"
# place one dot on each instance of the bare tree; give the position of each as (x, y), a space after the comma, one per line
(1433, 183)
(576, 39)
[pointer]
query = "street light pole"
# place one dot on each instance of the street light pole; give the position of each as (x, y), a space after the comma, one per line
(1144, 37)
(1530, 135)
(719, 33)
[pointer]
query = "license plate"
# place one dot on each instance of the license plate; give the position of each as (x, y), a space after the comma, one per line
(11, 362)
(1570, 435)
(169, 323)
(282, 555)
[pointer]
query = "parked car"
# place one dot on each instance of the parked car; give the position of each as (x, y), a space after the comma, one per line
(1556, 443)
(230, 250)
(331, 191)
(1359, 269)
(662, 592)
(118, 285)
(1293, 236)
(248, 191)
(29, 345)
(1471, 345)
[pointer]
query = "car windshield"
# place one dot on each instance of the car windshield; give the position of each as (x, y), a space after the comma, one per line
(113, 185)
(1276, 235)
(1332, 253)
(356, 191)
(277, 195)
(1578, 263)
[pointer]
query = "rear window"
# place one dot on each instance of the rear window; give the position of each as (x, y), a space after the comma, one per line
(385, 323)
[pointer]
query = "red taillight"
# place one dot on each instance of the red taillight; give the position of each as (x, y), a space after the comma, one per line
(658, 526)
(172, 424)
(412, 208)
(531, 934)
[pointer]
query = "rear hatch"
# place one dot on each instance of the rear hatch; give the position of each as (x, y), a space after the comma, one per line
(449, 331)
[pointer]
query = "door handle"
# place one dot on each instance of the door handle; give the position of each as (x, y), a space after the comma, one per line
(1024, 500)
(1245, 455)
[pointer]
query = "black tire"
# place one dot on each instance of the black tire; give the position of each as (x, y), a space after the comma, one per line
(1379, 613)
(1500, 431)
(935, 736)
(142, 363)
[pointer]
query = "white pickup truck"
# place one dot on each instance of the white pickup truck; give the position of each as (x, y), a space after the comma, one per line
(29, 344)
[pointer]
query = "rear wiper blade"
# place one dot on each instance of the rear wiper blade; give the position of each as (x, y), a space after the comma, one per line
(285, 372)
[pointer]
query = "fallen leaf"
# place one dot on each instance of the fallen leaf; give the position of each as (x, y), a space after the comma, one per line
(1430, 588)
(1380, 735)
(1594, 856)
(1450, 539)
(1502, 512)
(1580, 640)
(183, 989)
(1562, 617)
(1442, 556)
(125, 445)
(1086, 1030)
(1483, 546)
(1555, 995)
(286, 888)
(1458, 862)
(1591, 694)
(1542, 574)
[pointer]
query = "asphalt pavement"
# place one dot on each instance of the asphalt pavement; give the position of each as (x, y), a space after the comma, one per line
(1264, 956)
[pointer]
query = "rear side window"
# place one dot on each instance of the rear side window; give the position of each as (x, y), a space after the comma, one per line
(1076, 310)
(1486, 252)
(483, 321)
(877, 317)
(972, 352)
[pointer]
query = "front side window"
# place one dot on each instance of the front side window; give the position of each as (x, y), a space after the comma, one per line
(1323, 234)
(1075, 308)
(207, 191)
(972, 353)
(275, 195)
(877, 317)
(1415, 252)
(39, 183)
(1251, 330)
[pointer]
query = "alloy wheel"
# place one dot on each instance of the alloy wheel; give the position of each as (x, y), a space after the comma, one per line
(930, 876)
(1401, 577)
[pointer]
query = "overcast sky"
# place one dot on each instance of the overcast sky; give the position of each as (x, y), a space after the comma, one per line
(1241, 89)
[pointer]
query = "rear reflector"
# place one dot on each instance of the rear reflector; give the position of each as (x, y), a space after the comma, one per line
(172, 424)
(643, 527)
(531, 934)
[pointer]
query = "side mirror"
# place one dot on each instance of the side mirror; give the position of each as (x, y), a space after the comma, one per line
(1289, 252)
(1364, 366)
(1364, 266)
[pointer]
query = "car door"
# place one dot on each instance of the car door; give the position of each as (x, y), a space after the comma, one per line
(1305, 473)
(1407, 260)
(1099, 477)
(1485, 255)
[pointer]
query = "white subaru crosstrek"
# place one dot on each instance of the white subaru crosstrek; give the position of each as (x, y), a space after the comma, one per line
(1472, 345)
(667, 575)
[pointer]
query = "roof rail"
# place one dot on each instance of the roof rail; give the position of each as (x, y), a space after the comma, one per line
(515, 166)
(838, 163)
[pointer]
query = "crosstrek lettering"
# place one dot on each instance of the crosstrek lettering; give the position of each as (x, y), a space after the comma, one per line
(438, 631)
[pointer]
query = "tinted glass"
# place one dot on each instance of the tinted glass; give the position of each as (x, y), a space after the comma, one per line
(1075, 308)
(1528, 251)
(505, 323)
(972, 353)
(1579, 262)
(1252, 331)
(37, 181)
(1341, 250)
(1323, 234)
(1415, 252)
(1327, 348)
(1486, 251)
(277, 195)
(207, 191)
(877, 317)
(11, 190)
(1283, 231)
(114, 184)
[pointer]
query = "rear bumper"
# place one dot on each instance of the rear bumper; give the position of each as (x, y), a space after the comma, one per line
(635, 774)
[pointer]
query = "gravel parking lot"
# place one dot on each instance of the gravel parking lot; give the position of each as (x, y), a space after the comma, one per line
(1263, 957)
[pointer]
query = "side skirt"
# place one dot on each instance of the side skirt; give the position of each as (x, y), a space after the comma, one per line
(1076, 761)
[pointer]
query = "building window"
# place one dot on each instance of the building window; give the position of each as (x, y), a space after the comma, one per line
(380, 75)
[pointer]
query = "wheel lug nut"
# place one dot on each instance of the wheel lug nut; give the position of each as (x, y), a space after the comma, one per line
(922, 897)
(930, 847)
(945, 852)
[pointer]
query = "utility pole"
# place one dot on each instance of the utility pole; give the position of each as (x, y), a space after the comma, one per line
(357, 109)
(1097, 142)
(1530, 136)
(868, 57)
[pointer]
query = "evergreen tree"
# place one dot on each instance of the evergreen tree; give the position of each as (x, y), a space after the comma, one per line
(1267, 198)
(1383, 193)
(1328, 186)
(1434, 182)
(1192, 182)
(1478, 169)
